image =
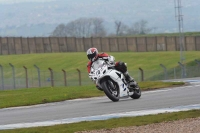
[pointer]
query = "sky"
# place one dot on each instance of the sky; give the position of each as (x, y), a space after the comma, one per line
(159, 14)
(18, 1)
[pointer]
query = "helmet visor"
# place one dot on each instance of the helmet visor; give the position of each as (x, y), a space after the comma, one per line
(91, 56)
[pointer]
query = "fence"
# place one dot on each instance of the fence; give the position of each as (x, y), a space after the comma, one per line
(19, 45)
(14, 78)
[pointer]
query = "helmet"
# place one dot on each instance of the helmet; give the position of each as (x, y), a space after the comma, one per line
(92, 54)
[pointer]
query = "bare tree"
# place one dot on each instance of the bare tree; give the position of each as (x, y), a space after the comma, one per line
(60, 31)
(71, 29)
(77, 28)
(139, 27)
(121, 28)
(143, 27)
(82, 27)
(98, 28)
(93, 27)
(89, 27)
(118, 26)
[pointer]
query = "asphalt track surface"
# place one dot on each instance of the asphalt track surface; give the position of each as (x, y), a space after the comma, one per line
(150, 100)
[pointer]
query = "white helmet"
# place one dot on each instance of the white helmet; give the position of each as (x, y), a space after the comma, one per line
(92, 54)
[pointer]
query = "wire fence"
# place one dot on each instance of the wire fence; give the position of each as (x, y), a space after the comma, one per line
(15, 78)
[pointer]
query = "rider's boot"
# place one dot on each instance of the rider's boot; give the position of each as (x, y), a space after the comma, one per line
(130, 80)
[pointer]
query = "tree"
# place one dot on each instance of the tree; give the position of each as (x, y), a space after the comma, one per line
(82, 27)
(98, 28)
(120, 28)
(71, 29)
(139, 27)
(60, 31)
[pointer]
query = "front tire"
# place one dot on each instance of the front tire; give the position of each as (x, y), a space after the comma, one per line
(111, 89)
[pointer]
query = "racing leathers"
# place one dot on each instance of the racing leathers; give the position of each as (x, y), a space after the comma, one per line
(120, 66)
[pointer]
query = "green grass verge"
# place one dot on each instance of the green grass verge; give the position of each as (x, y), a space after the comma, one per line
(167, 34)
(71, 61)
(108, 124)
(33, 96)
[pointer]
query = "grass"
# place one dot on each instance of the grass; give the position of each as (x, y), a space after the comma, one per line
(168, 34)
(109, 124)
(71, 61)
(149, 85)
(32, 96)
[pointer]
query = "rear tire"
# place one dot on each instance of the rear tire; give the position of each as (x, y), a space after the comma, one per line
(137, 93)
(111, 89)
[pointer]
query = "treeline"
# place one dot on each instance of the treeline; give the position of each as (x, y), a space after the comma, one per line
(95, 27)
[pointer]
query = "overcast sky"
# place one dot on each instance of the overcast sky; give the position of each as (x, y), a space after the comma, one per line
(18, 1)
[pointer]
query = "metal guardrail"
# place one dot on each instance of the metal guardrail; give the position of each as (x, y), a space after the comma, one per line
(28, 78)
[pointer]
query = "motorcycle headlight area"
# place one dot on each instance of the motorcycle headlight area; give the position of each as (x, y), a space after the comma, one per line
(95, 74)
(93, 77)
(98, 73)
(101, 71)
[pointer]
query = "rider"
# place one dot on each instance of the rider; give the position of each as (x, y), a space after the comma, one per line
(93, 55)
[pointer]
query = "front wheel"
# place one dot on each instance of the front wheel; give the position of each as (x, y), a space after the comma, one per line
(137, 93)
(111, 90)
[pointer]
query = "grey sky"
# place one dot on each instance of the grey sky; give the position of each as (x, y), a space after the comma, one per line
(18, 1)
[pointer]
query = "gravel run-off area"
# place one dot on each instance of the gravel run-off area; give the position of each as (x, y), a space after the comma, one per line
(189, 125)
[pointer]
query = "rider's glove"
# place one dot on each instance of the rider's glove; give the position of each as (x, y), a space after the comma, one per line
(111, 60)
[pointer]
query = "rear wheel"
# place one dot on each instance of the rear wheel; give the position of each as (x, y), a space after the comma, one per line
(111, 90)
(137, 93)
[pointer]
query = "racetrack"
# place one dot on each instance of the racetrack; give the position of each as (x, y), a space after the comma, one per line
(83, 108)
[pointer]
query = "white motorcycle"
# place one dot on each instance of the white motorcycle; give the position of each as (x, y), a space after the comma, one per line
(112, 82)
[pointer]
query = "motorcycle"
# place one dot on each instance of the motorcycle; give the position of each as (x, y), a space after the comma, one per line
(112, 82)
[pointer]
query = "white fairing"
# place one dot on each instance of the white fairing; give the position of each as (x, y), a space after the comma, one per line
(99, 70)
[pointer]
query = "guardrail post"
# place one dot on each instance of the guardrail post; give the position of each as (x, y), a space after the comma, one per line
(38, 70)
(26, 72)
(52, 80)
(165, 71)
(65, 77)
(174, 73)
(79, 73)
(183, 70)
(2, 79)
(142, 74)
(197, 61)
(13, 73)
